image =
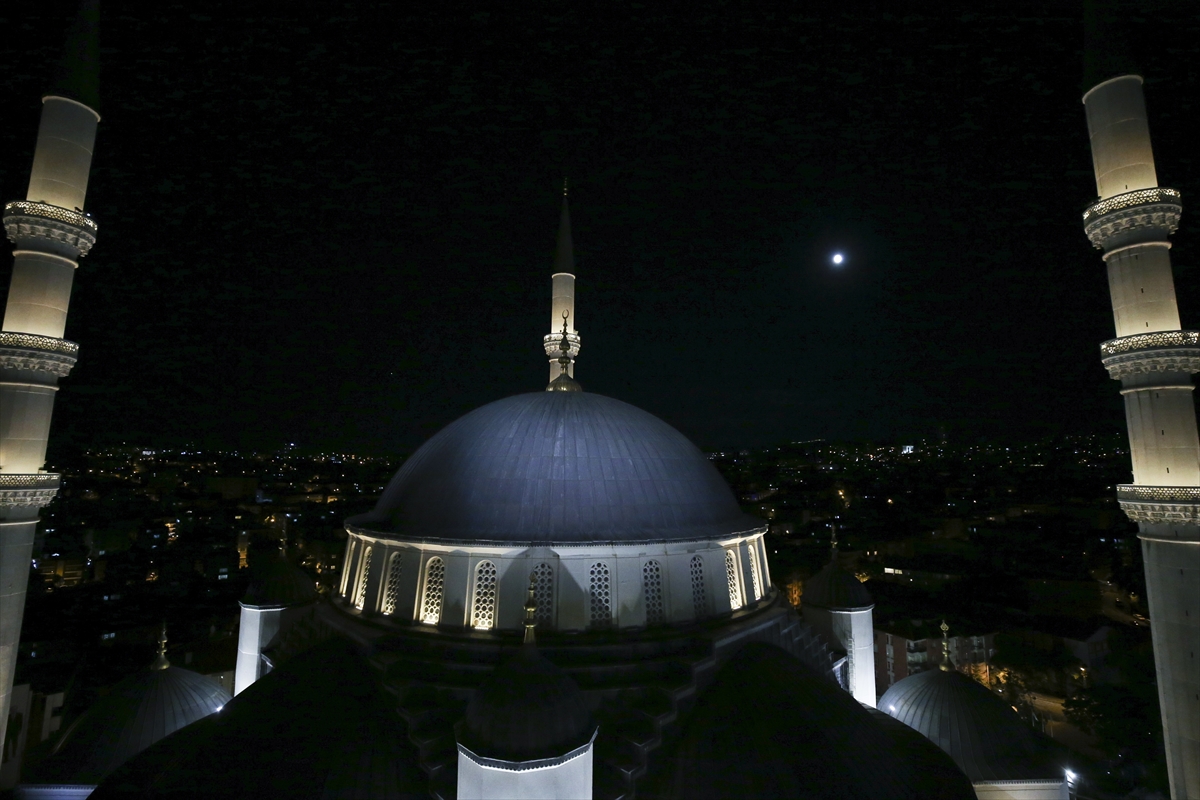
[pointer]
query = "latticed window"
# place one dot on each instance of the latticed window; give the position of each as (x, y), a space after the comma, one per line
(699, 596)
(435, 581)
(735, 594)
(755, 581)
(483, 607)
(360, 595)
(542, 581)
(391, 591)
(600, 595)
(652, 593)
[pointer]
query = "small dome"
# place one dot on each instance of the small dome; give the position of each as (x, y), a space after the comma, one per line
(557, 467)
(836, 589)
(981, 732)
(528, 709)
(139, 711)
(277, 583)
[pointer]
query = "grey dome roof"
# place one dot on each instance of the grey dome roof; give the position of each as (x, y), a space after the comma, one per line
(139, 711)
(981, 732)
(318, 727)
(835, 588)
(277, 583)
(557, 467)
(769, 726)
(527, 709)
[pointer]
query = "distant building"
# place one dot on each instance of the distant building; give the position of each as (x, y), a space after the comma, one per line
(904, 649)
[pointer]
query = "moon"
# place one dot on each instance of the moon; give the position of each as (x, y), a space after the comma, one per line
(838, 258)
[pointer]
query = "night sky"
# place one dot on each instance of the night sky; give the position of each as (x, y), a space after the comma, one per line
(333, 224)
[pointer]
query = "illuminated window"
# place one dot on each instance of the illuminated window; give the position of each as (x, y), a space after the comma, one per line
(483, 608)
(351, 546)
(542, 580)
(360, 596)
(735, 592)
(699, 596)
(755, 581)
(600, 595)
(652, 593)
(391, 591)
(431, 603)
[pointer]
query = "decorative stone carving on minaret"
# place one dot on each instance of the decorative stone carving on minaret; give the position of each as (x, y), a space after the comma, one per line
(562, 302)
(51, 232)
(1154, 359)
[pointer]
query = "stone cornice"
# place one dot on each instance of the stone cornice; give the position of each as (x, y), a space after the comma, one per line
(27, 351)
(1126, 218)
(18, 489)
(26, 221)
(1160, 504)
(1162, 351)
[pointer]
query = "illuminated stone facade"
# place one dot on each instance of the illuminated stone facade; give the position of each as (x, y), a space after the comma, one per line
(51, 234)
(1154, 361)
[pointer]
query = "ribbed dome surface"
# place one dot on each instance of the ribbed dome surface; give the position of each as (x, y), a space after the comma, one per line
(277, 583)
(981, 732)
(140, 710)
(834, 588)
(557, 467)
(527, 709)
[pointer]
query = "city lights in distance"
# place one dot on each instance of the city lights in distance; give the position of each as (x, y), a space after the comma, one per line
(837, 259)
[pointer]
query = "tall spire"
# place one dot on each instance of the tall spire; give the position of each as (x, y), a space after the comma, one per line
(945, 666)
(564, 249)
(161, 661)
(562, 297)
(77, 75)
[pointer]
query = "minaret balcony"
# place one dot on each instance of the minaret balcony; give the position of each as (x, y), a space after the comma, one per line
(1145, 215)
(1162, 351)
(41, 226)
(552, 344)
(1177, 504)
(27, 351)
(37, 489)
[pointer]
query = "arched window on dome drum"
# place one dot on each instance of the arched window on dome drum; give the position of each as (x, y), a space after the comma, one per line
(364, 574)
(755, 581)
(652, 593)
(699, 595)
(542, 581)
(348, 565)
(391, 590)
(431, 597)
(600, 595)
(735, 591)
(483, 606)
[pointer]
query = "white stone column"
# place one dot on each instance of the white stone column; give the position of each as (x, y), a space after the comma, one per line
(51, 234)
(1154, 361)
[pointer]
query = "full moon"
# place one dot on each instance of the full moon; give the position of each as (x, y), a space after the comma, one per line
(837, 258)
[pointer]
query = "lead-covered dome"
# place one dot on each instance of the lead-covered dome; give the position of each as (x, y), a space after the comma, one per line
(557, 467)
(981, 732)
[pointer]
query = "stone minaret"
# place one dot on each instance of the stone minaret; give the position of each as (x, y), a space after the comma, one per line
(563, 295)
(51, 234)
(1154, 361)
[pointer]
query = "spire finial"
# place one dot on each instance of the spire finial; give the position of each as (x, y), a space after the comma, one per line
(564, 382)
(161, 661)
(945, 665)
(530, 616)
(564, 186)
(77, 75)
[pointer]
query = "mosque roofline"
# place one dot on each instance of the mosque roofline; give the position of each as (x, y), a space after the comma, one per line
(360, 530)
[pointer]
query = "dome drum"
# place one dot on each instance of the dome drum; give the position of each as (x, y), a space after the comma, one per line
(577, 587)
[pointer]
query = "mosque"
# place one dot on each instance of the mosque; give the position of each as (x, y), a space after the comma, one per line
(556, 596)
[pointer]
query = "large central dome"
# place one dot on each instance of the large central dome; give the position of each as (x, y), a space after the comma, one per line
(557, 467)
